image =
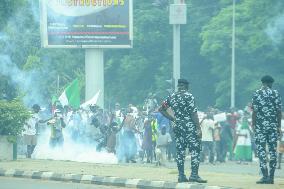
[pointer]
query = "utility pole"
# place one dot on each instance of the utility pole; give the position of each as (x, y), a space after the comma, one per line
(58, 84)
(233, 81)
(177, 17)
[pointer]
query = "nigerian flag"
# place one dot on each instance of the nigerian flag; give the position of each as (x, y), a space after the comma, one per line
(71, 95)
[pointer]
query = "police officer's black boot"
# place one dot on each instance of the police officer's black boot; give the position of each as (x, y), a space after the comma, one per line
(264, 179)
(181, 175)
(271, 176)
(194, 177)
(279, 160)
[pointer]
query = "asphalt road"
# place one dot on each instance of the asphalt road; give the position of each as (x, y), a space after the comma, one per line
(16, 183)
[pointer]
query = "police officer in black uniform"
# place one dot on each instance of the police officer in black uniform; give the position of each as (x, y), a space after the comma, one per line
(266, 123)
(186, 129)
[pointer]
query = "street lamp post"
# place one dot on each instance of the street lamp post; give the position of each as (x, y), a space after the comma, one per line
(177, 17)
(176, 53)
(233, 58)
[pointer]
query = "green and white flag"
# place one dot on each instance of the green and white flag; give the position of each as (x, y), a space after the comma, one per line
(71, 95)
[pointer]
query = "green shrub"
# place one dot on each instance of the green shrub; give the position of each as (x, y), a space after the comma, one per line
(13, 115)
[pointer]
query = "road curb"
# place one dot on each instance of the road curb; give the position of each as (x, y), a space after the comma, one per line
(99, 180)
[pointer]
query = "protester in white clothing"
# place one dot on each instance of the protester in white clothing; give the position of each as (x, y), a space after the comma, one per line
(30, 131)
(118, 114)
(207, 127)
(163, 141)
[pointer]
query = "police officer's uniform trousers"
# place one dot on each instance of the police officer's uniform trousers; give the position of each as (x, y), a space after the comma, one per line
(269, 137)
(186, 137)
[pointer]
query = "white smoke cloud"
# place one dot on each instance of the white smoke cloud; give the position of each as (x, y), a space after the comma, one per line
(29, 84)
(26, 81)
(3, 37)
(275, 30)
(34, 6)
(71, 150)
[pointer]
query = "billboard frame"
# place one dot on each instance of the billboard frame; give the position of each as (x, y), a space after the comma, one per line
(44, 33)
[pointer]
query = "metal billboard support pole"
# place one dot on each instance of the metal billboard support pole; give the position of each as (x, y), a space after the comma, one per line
(233, 81)
(94, 69)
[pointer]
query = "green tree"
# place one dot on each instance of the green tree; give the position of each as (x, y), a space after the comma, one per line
(256, 54)
(13, 116)
(132, 74)
(21, 42)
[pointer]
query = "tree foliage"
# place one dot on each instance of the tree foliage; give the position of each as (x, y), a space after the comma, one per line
(130, 74)
(256, 53)
(13, 116)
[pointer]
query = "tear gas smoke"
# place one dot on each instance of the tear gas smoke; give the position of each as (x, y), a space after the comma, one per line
(79, 150)
(30, 84)
(26, 81)
(275, 30)
(34, 5)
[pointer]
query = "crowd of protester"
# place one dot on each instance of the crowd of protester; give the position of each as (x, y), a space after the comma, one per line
(144, 134)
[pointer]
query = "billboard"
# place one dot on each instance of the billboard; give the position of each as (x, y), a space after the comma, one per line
(86, 23)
